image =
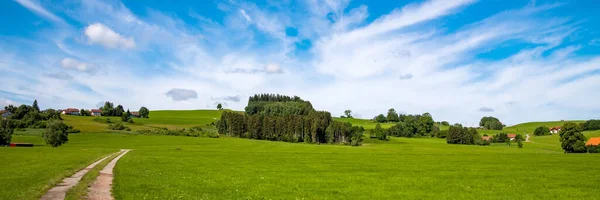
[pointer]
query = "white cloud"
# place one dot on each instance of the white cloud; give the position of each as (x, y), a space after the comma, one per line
(243, 13)
(273, 69)
(38, 9)
(100, 34)
(72, 64)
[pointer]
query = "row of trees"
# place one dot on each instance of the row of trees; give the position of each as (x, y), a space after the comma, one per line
(590, 125)
(109, 110)
(274, 98)
(31, 116)
(316, 127)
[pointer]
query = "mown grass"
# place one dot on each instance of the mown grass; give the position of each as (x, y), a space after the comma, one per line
(80, 190)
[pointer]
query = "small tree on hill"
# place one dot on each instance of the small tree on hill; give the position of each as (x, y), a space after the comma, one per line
(144, 112)
(571, 138)
(6, 131)
(348, 113)
(392, 116)
(56, 133)
(125, 117)
(219, 106)
(542, 130)
(378, 132)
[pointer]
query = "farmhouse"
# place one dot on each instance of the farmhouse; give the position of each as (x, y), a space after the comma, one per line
(555, 129)
(5, 113)
(595, 141)
(512, 136)
(96, 112)
(135, 114)
(488, 138)
(70, 111)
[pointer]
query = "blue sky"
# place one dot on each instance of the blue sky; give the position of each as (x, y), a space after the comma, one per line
(458, 60)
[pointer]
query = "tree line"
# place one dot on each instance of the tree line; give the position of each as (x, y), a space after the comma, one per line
(26, 116)
(282, 118)
(109, 110)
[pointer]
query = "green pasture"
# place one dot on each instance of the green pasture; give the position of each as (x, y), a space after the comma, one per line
(177, 167)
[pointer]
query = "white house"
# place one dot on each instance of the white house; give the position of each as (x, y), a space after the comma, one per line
(555, 129)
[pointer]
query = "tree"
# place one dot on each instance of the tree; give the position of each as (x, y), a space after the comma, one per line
(520, 143)
(35, 105)
(381, 118)
(128, 113)
(144, 112)
(445, 123)
(6, 131)
(348, 113)
(119, 111)
(125, 117)
(56, 133)
(591, 125)
(378, 132)
(219, 106)
(542, 130)
(490, 123)
(571, 138)
(392, 116)
(83, 112)
(108, 109)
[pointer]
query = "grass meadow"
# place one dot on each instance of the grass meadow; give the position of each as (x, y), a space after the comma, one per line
(175, 167)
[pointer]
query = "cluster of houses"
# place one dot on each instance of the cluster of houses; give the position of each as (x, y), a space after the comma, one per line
(93, 112)
(512, 136)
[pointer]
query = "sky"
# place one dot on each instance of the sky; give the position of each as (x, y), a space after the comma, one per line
(459, 60)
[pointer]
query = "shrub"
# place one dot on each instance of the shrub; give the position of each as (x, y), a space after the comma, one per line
(542, 130)
(117, 126)
(6, 131)
(39, 124)
(442, 134)
(593, 149)
(130, 121)
(483, 142)
(56, 133)
(520, 144)
(591, 125)
(191, 132)
(500, 138)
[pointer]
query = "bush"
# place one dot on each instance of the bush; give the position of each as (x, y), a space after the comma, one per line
(39, 124)
(542, 130)
(442, 134)
(591, 125)
(593, 149)
(483, 142)
(6, 131)
(117, 126)
(500, 138)
(56, 133)
(130, 121)
(191, 132)
(520, 144)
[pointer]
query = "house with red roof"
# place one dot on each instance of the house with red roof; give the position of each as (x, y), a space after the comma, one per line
(70, 111)
(488, 138)
(96, 112)
(512, 136)
(555, 129)
(595, 141)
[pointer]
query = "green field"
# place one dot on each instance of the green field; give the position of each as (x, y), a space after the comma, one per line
(174, 167)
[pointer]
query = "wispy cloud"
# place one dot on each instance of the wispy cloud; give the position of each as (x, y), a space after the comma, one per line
(35, 7)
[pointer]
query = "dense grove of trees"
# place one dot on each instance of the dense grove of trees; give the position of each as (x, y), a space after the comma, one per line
(25, 116)
(289, 119)
(571, 138)
(542, 130)
(413, 125)
(458, 134)
(591, 125)
(379, 132)
(490, 123)
(109, 110)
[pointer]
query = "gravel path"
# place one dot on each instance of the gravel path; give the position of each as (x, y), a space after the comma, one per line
(59, 191)
(100, 190)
